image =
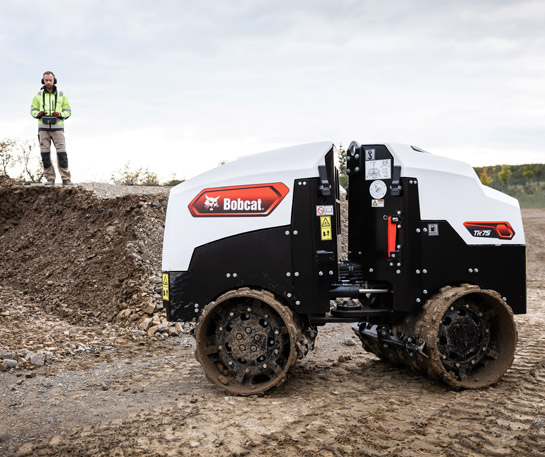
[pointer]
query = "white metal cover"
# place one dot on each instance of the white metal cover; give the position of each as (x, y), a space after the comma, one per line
(183, 232)
(451, 190)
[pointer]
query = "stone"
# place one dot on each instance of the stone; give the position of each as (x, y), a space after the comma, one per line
(152, 330)
(149, 308)
(38, 359)
(55, 440)
(162, 328)
(7, 355)
(123, 314)
(173, 331)
(145, 324)
(10, 363)
(24, 450)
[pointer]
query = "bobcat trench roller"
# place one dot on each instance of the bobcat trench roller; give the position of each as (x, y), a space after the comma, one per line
(435, 270)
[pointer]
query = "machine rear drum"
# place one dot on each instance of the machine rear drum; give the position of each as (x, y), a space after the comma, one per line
(468, 335)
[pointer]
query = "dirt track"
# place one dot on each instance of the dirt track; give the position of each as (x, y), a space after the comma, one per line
(107, 388)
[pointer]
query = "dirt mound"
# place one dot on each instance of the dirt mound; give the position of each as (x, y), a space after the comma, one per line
(79, 257)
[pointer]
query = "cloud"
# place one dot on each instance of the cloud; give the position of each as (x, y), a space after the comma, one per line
(150, 82)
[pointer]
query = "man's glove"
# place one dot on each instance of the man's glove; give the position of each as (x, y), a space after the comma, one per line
(57, 115)
(40, 114)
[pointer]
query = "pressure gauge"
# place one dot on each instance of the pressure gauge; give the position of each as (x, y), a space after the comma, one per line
(378, 189)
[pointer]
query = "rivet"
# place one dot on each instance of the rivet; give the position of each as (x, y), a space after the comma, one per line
(288, 295)
(418, 300)
(287, 232)
(297, 302)
(424, 271)
(371, 270)
(417, 272)
(470, 270)
(288, 274)
(320, 273)
(476, 270)
(296, 273)
(295, 232)
(424, 229)
(228, 275)
(425, 292)
(331, 273)
(235, 275)
(417, 230)
(398, 272)
(357, 169)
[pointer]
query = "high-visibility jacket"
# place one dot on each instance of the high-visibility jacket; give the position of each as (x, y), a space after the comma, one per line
(49, 103)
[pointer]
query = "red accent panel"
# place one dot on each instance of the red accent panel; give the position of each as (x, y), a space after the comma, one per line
(392, 235)
(248, 200)
(501, 230)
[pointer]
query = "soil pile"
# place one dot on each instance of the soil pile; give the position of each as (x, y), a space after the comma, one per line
(83, 258)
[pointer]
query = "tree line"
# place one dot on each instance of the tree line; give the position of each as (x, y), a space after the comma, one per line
(21, 160)
(509, 175)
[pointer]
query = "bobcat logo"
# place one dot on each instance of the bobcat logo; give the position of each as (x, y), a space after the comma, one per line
(211, 202)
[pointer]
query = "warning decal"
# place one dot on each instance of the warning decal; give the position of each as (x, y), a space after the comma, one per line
(325, 228)
(324, 210)
(378, 169)
(165, 287)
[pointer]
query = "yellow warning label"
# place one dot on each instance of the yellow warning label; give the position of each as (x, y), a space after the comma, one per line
(165, 287)
(325, 226)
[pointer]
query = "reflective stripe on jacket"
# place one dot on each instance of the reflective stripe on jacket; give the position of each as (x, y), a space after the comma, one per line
(49, 103)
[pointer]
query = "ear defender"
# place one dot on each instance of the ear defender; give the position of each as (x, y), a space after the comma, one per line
(54, 81)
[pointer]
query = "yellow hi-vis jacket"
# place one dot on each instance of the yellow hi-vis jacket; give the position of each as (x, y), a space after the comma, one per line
(49, 103)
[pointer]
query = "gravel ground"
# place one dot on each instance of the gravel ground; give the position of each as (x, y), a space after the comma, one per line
(97, 374)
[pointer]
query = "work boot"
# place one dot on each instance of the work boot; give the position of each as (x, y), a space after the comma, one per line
(50, 183)
(67, 182)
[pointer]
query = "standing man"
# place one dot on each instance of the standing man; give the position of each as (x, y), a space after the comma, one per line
(51, 107)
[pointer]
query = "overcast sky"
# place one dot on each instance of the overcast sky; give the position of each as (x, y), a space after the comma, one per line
(177, 86)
